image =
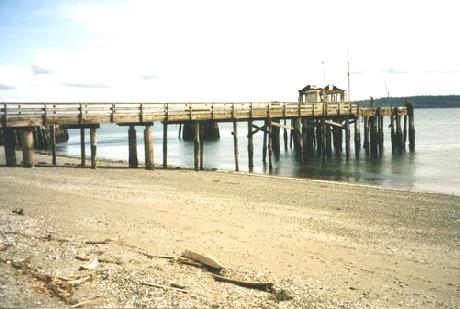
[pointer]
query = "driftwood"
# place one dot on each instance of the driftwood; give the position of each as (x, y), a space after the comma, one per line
(85, 302)
(182, 260)
(203, 259)
(100, 259)
(161, 286)
(52, 285)
(48, 237)
(91, 265)
(264, 286)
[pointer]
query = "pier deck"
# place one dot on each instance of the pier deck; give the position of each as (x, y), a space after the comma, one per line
(314, 126)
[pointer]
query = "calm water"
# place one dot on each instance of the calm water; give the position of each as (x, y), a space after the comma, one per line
(435, 166)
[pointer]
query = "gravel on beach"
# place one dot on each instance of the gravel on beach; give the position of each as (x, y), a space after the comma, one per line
(321, 244)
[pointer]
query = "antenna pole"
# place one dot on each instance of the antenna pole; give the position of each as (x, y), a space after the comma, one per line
(348, 76)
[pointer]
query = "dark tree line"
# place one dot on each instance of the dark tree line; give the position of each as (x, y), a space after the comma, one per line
(423, 101)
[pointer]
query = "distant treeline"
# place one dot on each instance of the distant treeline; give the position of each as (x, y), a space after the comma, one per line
(423, 101)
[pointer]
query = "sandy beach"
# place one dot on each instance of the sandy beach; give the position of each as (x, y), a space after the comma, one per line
(322, 244)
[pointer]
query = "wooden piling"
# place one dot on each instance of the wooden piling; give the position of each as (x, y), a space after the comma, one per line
(270, 146)
(357, 136)
(347, 137)
(380, 132)
(28, 147)
(323, 139)
(264, 145)
(410, 115)
(165, 144)
(202, 137)
(180, 129)
(373, 136)
(298, 142)
(148, 147)
(393, 139)
(132, 144)
(405, 132)
(235, 145)
(197, 148)
(53, 144)
(309, 145)
(92, 138)
(328, 134)
(250, 147)
(366, 134)
(82, 147)
(9, 145)
(399, 134)
(276, 143)
(285, 137)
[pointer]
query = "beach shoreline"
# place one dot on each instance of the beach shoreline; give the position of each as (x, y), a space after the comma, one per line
(327, 244)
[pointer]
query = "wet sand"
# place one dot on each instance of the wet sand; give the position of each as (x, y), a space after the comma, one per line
(325, 244)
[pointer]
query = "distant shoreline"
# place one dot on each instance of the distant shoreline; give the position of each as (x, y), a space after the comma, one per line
(423, 101)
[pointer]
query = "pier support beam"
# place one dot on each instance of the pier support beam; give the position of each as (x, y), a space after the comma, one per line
(309, 128)
(323, 139)
(373, 136)
(347, 137)
(328, 131)
(298, 139)
(82, 147)
(9, 145)
(53, 143)
(410, 115)
(380, 132)
(264, 145)
(357, 136)
(28, 147)
(196, 144)
(92, 138)
(366, 134)
(276, 143)
(132, 144)
(250, 147)
(165, 144)
(148, 145)
(399, 134)
(235, 145)
(393, 138)
(285, 136)
(270, 146)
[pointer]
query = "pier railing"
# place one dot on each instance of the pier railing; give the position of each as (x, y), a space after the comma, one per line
(40, 114)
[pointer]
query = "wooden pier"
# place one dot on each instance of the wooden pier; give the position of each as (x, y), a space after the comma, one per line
(315, 126)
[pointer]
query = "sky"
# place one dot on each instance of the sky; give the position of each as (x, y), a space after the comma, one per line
(225, 50)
